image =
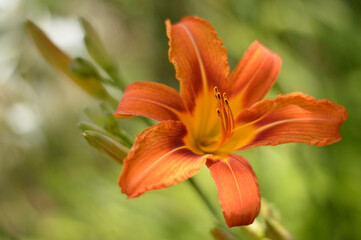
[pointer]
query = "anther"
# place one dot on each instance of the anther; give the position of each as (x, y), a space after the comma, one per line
(218, 112)
(215, 90)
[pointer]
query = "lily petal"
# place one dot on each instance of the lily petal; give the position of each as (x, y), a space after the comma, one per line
(153, 100)
(294, 117)
(200, 61)
(159, 159)
(254, 76)
(238, 190)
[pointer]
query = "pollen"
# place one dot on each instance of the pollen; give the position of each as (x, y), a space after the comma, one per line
(225, 114)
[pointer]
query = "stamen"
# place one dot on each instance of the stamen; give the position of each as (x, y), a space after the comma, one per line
(226, 116)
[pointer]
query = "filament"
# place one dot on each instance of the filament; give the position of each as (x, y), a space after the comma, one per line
(225, 114)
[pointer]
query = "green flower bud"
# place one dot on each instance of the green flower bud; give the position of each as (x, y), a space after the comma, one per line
(106, 145)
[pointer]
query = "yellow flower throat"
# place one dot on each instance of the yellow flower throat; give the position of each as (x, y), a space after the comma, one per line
(212, 132)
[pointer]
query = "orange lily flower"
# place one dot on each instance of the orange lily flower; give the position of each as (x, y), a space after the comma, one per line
(214, 115)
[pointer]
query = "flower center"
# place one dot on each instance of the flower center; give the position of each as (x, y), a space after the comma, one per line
(226, 116)
(209, 132)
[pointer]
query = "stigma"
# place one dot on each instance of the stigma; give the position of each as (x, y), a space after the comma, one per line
(225, 114)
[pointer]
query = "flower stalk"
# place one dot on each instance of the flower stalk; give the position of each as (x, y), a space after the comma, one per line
(203, 197)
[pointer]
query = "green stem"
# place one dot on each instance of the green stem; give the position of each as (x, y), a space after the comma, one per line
(109, 82)
(204, 198)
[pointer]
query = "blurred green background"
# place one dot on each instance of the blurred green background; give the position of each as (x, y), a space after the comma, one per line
(53, 185)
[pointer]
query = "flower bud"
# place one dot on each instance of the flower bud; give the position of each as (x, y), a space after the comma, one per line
(106, 145)
(221, 234)
(62, 62)
(276, 231)
(95, 46)
(98, 52)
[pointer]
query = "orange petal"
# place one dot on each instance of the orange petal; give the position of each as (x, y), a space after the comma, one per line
(238, 190)
(293, 117)
(198, 56)
(149, 99)
(254, 76)
(159, 159)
